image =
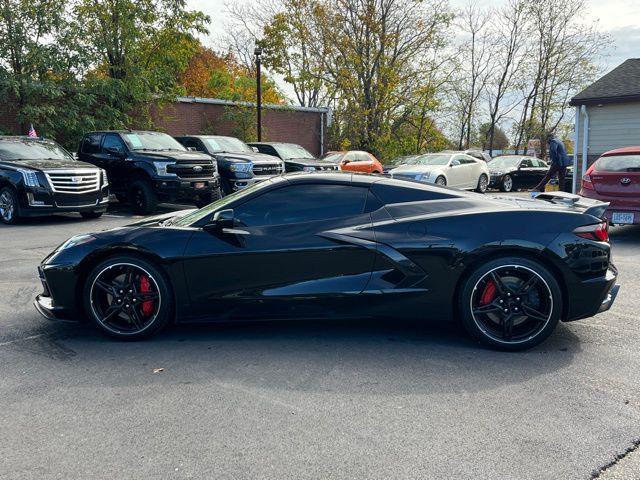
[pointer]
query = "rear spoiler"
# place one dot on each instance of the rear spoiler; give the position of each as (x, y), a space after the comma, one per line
(587, 205)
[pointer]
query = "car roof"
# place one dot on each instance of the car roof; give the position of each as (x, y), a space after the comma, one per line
(622, 151)
(271, 143)
(22, 138)
(123, 131)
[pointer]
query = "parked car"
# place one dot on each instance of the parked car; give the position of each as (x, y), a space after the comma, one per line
(513, 172)
(479, 154)
(397, 161)
(457, 170)
(145, 168)
(615, 178)
(39, 177)
(239, 165)
(357, 246)
(295, 157)
(355, 161)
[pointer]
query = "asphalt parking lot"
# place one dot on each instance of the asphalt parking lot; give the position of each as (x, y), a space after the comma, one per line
(360, 400)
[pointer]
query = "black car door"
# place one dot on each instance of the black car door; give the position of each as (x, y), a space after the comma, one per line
(525, 177)
(112, 157)
(285, 258)
(90, 149)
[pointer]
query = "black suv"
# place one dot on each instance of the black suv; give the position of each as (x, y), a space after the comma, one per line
(295, 157)
(39, 177)
(147, 167)
(239, 165)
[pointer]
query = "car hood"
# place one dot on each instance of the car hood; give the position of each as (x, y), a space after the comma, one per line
(408, 169)
(249, 157)
(311, 162)
(177, 156)
(44, 164)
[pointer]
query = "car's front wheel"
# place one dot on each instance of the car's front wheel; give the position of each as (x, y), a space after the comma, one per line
(507, 183)
(143, 199)
(9, 206)
(128, 298)
(510, 303)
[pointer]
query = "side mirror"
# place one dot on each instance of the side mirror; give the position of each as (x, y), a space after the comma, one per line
(115, 151)
(221, 220)
(454, 163)
(255, 149)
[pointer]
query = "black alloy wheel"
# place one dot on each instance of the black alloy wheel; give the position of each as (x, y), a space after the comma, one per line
(142, 197)
(8, 206)
(506, 185)
(127, 298)
(511, 304)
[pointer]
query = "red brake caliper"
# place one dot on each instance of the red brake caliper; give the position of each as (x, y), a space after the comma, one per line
(145, 286)
(489, 293)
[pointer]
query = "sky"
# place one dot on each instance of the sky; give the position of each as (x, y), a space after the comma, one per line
(620, 18)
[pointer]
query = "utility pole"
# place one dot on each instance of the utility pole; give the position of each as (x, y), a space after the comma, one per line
(258, 52)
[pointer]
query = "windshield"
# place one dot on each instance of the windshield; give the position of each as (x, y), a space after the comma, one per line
(227, 144)
(619, 163)
(288, 151)
(333, 157)
(404, 160)
(154, 141)
(198, 215)
(431, 159)
(32, 150)
(504, 162)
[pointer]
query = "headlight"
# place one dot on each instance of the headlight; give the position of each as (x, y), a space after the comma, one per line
(30, 178)
(105, 179)
(421, 177)
(161, 168)
(308, 169)
(77, 240)
(241, 167)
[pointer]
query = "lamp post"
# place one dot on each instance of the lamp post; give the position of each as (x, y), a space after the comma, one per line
(258, 52)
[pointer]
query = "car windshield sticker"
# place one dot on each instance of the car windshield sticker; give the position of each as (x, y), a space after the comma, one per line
(134, 140)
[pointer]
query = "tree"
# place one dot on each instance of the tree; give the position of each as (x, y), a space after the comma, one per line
(500, 141)
(209, 74)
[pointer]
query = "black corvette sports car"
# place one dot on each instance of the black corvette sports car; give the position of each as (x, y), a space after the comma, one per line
(350, 245)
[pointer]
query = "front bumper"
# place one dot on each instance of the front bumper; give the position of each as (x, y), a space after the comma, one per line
(57, 310)
(240, 183)
(185, 189)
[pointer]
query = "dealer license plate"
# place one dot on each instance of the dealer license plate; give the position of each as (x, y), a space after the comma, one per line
(198, 185)
(622, 217)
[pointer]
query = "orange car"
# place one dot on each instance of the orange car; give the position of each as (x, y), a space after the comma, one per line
(355, 161)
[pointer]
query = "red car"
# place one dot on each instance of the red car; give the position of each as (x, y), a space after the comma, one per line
(615, 178)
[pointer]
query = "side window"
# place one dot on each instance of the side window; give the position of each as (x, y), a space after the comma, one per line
(540, 163)
(91, 143)
(349, 157)
(526, 163)
(312, 202)
(112, 141)
(466, 160)
(362, 157)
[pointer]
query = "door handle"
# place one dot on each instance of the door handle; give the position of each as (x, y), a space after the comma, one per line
(235, 231)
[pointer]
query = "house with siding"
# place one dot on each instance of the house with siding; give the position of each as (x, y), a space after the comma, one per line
(607, 114)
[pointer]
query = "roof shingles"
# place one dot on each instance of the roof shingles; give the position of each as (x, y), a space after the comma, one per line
(620, 85)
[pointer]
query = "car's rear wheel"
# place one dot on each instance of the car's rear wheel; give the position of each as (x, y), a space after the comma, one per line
(483, 184)
(511, 303)
(143, 199)
(128, 298)
(9, 206)
(507, 183)
(441, 181)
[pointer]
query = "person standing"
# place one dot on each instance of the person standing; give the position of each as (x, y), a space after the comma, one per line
(559, 162)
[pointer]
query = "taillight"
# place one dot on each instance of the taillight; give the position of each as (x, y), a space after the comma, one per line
(598, 232)
(586, 179)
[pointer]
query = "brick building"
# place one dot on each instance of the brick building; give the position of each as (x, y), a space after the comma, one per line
(305, 126)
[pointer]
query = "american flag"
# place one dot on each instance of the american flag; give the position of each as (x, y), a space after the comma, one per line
(32, 131)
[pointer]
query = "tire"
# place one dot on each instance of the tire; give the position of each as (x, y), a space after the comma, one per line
(143, 199)
(503, 317)
(483, 184)
(441, 181)
(506, 185)
(9, 209)
(204, 200)
(225, 187)
(121, 326)
(90, 215)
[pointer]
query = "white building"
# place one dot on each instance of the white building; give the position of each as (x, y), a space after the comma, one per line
(607, 114)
